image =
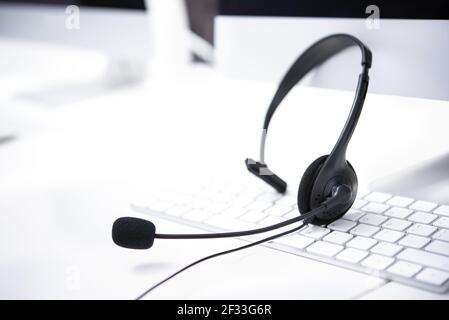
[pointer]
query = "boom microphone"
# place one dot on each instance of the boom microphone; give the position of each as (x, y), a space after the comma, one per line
(135, 233)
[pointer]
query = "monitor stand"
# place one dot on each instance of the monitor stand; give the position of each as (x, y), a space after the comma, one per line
(428, 181)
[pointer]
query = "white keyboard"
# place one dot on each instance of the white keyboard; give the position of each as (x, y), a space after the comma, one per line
(396, 238)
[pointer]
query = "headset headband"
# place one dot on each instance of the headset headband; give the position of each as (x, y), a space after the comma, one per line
(314, 56)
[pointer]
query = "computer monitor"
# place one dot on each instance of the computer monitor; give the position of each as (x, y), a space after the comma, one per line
(119, 28)
(259, 39)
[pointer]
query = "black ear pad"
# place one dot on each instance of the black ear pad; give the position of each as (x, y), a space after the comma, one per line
(306, 184)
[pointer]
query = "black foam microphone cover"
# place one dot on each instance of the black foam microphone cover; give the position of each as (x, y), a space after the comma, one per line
(133, 233)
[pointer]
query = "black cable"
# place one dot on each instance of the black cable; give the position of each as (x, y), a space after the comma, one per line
(305, 216)
(220, 254)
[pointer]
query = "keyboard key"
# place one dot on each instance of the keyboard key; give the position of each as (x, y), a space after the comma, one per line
(442, 234)
(400, 213)
(378, 197)
(341, 225)
(234, 212)
(278, 210)
(216, 207)
(442, 210)
(253, 216)
(270, 196)
(400, 201)
(353, 215)
(422, 229)
(295, 241)
(373, 219)
(199, 203)
(250, 193)
(442, 223)
(206, 194)
(197, 215)
(352, 255)
(438, 246)
(432, 276)
(362, 192)
(287, 201)
(389, 235)
(338, 237)
(228, 223)
(414, 241)
(358, 203)
(259, 205)
(177, 210)
(224, 197)
(423, 206)
(377, 262)
(404, 269)
(241, 201)
(397, 224)
(234, 188)
(386, 249)
(361, 243)
(422, 217)
(324, 248)
(378, 208)
(292, 214)
(315, 232)
(364, 230)
(425, 258)
(268, 221)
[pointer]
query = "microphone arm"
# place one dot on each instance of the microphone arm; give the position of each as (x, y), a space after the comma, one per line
(342, 194)
(238, 233)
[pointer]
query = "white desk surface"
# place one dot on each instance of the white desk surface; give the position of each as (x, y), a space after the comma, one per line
(75, 168)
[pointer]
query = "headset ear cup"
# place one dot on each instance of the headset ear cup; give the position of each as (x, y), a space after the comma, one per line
(352, 168)
(306, 184)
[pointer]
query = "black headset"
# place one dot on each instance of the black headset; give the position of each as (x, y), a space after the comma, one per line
(328, 187)
(330, 172)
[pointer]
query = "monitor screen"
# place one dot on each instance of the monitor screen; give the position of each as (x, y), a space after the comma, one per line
(259, 39)
(119, 4)
(390, 9)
